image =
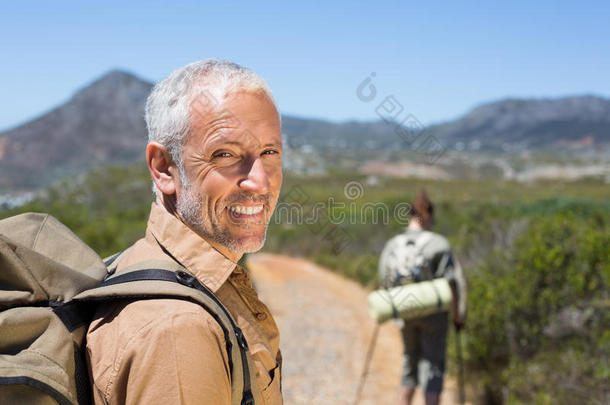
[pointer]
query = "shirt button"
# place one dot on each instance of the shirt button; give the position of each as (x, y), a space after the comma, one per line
(261, 316)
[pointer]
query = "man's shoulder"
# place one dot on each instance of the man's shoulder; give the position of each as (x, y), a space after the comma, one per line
(144, 249)
(126, 320)
(150, 335)
(130, 317)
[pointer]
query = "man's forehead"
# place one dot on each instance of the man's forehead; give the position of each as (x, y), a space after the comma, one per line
(244, 139)
(224, 105)
(239, 142)
(242, 119)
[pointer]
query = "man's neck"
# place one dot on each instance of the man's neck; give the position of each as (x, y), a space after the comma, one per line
(229, 254)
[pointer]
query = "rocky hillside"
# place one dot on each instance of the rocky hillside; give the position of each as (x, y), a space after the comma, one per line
(101, 124)
(519, 124)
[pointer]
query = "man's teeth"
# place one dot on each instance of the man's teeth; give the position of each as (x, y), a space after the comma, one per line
(240, 209)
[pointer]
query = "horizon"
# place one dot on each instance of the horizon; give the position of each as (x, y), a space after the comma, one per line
(438, 61)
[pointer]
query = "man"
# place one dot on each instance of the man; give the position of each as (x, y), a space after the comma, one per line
(419, 255)
(215, 158)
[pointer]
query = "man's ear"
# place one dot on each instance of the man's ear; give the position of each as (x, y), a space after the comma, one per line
(162, 168)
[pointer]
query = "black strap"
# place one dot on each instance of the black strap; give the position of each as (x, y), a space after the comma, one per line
(109, 260)
(182, 277)
(439, 302)
(141, 275)
(394, 309)
(395, 314)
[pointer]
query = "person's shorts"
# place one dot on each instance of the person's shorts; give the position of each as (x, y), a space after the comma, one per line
(425, 344)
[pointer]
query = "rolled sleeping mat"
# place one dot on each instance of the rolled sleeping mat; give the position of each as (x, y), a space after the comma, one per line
(410, 301)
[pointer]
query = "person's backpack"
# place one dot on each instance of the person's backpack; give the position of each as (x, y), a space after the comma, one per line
(406, 262)
(50, 285)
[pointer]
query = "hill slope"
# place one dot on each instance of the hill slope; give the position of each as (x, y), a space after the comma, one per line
(101, 124)
(519, 124)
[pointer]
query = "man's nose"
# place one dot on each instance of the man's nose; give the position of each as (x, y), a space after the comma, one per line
(257, 180)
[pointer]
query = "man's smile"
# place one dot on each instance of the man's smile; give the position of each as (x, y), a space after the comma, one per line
(246, 209)
(248, 213)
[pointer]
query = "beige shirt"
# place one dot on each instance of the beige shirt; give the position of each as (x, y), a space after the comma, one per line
(165, 351)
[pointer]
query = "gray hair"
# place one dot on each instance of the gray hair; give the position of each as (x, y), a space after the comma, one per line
(168, 107)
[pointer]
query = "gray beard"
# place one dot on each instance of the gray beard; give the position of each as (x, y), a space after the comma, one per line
(190, 207)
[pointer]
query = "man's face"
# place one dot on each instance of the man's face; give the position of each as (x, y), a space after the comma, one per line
(233, 170)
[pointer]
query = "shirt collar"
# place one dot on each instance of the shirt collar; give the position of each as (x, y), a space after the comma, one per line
(210, 266)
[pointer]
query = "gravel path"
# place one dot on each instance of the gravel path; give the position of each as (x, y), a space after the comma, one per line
(325, 332)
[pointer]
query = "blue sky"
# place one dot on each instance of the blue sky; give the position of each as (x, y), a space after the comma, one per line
(437, 59)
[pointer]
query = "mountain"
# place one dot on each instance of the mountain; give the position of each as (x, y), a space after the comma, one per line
(103, 124)
(354, 134)
(510, 124)
(533, 123)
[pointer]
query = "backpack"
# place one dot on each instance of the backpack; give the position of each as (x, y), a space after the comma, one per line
(406, 262)
(50, 284)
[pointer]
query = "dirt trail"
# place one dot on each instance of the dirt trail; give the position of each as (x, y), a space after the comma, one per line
(325, 331)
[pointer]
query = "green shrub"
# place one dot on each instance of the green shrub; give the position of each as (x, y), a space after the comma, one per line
(518, 340)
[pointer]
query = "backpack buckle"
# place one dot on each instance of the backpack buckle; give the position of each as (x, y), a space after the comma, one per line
(241, 339)
(185, 279)
(109, 273)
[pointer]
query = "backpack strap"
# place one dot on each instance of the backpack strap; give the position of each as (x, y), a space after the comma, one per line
(165, 279)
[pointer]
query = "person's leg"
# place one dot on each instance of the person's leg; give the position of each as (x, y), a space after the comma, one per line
(432, 363)
(433, 398)
(406, 395)
(409, 381)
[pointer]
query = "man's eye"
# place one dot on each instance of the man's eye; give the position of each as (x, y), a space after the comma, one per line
(270, 152)
(221, 154)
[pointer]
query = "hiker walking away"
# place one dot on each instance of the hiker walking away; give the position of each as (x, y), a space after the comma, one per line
(214, 154)
(420, 255)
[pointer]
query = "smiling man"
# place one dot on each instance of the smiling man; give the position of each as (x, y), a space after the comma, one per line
(215, 158)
